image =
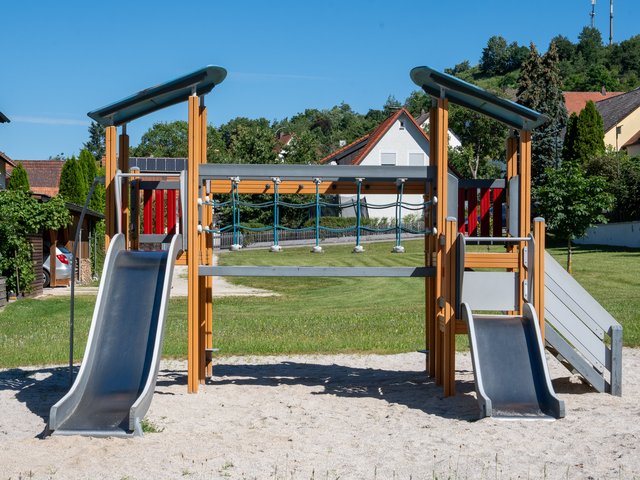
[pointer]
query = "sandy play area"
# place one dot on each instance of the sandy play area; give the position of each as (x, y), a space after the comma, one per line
(326, 417)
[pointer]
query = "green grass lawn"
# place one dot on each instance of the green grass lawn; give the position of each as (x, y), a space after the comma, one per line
(310, 315)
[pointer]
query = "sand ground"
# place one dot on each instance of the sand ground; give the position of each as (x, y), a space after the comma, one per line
(326, 417)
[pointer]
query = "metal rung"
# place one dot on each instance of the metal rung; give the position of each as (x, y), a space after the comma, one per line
(250, 271)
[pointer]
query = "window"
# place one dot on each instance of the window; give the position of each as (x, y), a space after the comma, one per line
(387, 158)
(416, 159)
(401, 124)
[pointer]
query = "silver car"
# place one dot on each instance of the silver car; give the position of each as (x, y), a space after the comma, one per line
(63, 265)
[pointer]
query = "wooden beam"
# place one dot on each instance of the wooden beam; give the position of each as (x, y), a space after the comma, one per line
(193, 247)
(110, 173)
(525, 205)
(309, 188)
(449, 341)
(491, 260)
(123, 165)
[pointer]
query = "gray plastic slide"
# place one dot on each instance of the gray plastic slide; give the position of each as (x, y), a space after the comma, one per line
(115, 384)
(510, 368)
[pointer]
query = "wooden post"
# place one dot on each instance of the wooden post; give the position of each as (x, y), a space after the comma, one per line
(205, 307)
(111, 166)
(439, 134)
(525, 205)
(538, 271)
(193, 248)
(123, 157)
(449, 287)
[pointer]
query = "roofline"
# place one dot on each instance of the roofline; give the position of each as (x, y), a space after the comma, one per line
(442, 85)
(344, 149)
(4, 118)
(161, 96)
(389, 121)
(6, 158)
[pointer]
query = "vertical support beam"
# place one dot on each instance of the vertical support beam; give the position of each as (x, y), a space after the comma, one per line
(429, 285)
(206, 245)
(525, 205)
(123, 166)
(135, 213)
(440, 136)
(485, 211)
(193, 247)
(147, 223)
(111, 166)
(498, 196)
(538, 271)
(449, 287)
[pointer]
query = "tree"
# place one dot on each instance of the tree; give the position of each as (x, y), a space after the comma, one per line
(590, 45)
(589, 139)
(19, 179)
(73, 186)
(303, 149)
(253, 145)
(571, 202)
(465, 162)
(539, 89)
(495, 56)
(623, 182)
(95, 144)
(568, 147)
(164, 140)
(21, 216)
(484, 136)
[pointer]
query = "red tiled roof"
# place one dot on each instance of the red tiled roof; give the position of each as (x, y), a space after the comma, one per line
(576, 101)
(370, 140)
(44, 175)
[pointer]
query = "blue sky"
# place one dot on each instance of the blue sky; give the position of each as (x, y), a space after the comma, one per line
(63, 59)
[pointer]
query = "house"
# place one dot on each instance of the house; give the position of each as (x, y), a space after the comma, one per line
(620, 114)
(283, 141)
(44, 175)
(398, 140)
(5, 164)
(423, 121)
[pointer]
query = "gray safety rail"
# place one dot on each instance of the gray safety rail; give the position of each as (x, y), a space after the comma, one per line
(509, 364)
(580, 332)
(117, 378)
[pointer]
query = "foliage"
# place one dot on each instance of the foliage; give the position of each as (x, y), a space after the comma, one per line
(499, 58)
(539, 89)
(255, 144)
(484, 136)
(164, 139)
(98, 254)
(589, 138)
(95, 145)
(568, 147)
(303, 149)
(623, 182)
(467, 165)
(571, 202)
(73, 184)
(19, 179)
(22, 216)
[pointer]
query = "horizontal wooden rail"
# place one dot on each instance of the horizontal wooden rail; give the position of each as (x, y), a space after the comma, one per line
(490, 260)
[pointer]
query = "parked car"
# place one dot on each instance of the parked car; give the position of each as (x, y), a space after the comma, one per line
(63, 265)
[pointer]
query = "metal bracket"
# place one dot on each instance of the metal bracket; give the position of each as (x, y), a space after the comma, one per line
(525, 257)
(525, 290)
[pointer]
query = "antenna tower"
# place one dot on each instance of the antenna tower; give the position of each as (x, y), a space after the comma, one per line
(610, 22)
(593, 14)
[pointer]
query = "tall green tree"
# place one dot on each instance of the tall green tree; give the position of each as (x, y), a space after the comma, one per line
(164, 140)
(89, 168)
(95, 144)
(568, 147)
(571, 202)
(253, 145)
(19, 179)
(483, 136)
(589, 140)
(539, 88)
(73, 186)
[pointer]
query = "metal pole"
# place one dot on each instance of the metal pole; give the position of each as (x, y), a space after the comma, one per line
(76, 240)
(276, 214)
(358, 248)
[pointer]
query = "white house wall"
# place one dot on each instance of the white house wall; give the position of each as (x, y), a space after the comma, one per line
(402, 142)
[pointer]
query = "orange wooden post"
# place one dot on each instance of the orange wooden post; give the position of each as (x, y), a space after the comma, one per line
(123, 166)
(525, 204)
(111, 166)
(193, 247)
(204, 307)
(538, 271)
(449, 331)
(439, 135)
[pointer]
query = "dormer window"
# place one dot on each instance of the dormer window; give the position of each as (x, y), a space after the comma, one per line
(401, 124)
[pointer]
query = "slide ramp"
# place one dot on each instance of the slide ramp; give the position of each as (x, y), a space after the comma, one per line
(580, 332)
(510, 368)
(116, 381)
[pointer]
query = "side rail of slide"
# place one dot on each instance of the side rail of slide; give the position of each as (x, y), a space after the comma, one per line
(580, 332)
(117, 378)
(509, 366)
